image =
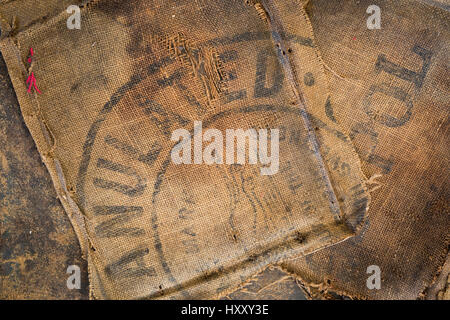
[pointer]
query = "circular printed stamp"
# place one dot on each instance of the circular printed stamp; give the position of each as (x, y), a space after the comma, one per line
(160, 227)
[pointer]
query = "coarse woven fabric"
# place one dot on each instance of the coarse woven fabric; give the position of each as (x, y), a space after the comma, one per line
(38, 243)
(113, 91)
(390, 93)
(357, 288)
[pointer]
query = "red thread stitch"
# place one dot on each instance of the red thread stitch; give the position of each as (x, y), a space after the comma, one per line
(31, 78)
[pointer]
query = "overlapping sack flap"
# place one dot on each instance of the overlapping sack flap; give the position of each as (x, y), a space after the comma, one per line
(112, 94)
(390, 93)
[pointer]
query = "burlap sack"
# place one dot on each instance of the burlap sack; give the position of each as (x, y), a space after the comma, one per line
(390, 93)
(38, 243)
(113, 91)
